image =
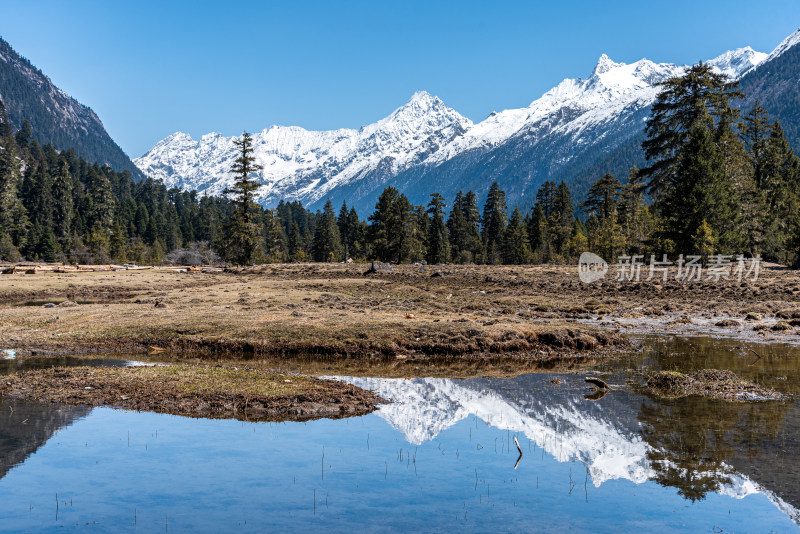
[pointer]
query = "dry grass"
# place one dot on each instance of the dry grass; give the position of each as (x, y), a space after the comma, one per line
(227, 392)
(295, 309)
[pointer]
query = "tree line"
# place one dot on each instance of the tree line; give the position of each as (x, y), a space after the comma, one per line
(716, 182)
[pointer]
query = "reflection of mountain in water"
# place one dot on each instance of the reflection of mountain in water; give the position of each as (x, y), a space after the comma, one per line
(612, 437)
(26, 426)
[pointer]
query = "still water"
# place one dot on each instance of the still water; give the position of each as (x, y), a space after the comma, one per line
(442, 457)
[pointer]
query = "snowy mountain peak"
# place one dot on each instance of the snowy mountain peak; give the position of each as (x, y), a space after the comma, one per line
(424, 106)
(785, 45)
(304, 164)
(604, 64)
(735, 63)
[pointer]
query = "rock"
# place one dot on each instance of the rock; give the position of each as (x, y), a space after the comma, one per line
(781, 326)
(556, 381)
(68, 304)
(727, 323)
(161, 304)
(379, 267)
(49, 305)
(437, 274)
(753, 316)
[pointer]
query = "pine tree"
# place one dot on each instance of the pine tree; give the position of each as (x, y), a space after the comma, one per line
(356, 234)
(383, 225)
(538, 235)
(62, 205)
(295, 245)
(276, 248)
(755, 132)
(601, 201)
(327, 241)
(24, 135)
(343, 222)
(699, 93)
(516, 247)
(634, 216)
(494, 223)
(242, 232)
(701, 194)
(562, 218)
(464, 229)
(14, 221)
(100, 199)
(438, 238)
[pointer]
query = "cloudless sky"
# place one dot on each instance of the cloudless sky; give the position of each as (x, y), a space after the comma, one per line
(150, 68)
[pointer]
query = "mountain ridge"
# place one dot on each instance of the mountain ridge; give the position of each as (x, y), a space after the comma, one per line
(55, 117)
(564, 134)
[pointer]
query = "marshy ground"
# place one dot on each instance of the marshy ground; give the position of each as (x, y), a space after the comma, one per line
(455, 321)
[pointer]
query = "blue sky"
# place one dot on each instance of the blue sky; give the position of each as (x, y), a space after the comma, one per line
(150, 68)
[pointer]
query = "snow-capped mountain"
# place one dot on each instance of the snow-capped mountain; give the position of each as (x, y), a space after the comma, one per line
(559, 135)
(305, 165)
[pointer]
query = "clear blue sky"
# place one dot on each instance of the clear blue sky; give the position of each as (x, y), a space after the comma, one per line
(150, 68)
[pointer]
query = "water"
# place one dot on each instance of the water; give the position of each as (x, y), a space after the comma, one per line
(441, 457)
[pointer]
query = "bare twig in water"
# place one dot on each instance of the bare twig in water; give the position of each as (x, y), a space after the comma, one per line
(520, 453)
(758, 356)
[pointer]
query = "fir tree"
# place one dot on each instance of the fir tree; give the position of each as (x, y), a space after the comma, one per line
(698, 94)
(438, 239)
(276, 248)
(62, 205)
(327, 241)
(494, 223)
(241, 231)
(516, 248)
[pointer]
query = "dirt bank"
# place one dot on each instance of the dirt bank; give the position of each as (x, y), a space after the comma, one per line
(196, 391)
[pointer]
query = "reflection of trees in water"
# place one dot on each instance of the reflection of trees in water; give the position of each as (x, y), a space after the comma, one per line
(693, 438)
(26, 426)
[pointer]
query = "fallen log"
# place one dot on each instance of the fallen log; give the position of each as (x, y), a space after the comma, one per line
(596, 382)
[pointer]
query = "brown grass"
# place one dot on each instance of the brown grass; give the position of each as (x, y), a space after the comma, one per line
(296, 309)
(224, 392)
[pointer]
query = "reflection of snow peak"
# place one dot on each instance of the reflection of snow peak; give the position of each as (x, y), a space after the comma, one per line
(566, 429)
(423, 408)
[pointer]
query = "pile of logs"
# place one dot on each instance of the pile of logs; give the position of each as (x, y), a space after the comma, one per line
(33, 268)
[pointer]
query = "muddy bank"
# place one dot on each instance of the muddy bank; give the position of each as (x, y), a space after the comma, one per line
(712, 383)
(195, 391)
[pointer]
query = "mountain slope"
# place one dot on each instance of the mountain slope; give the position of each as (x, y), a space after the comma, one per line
(776, 84)
(576, 131)
(55, 117)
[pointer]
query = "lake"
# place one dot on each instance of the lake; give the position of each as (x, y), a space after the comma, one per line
(442, 457)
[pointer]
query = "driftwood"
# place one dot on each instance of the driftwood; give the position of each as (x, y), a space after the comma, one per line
(596, 382)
